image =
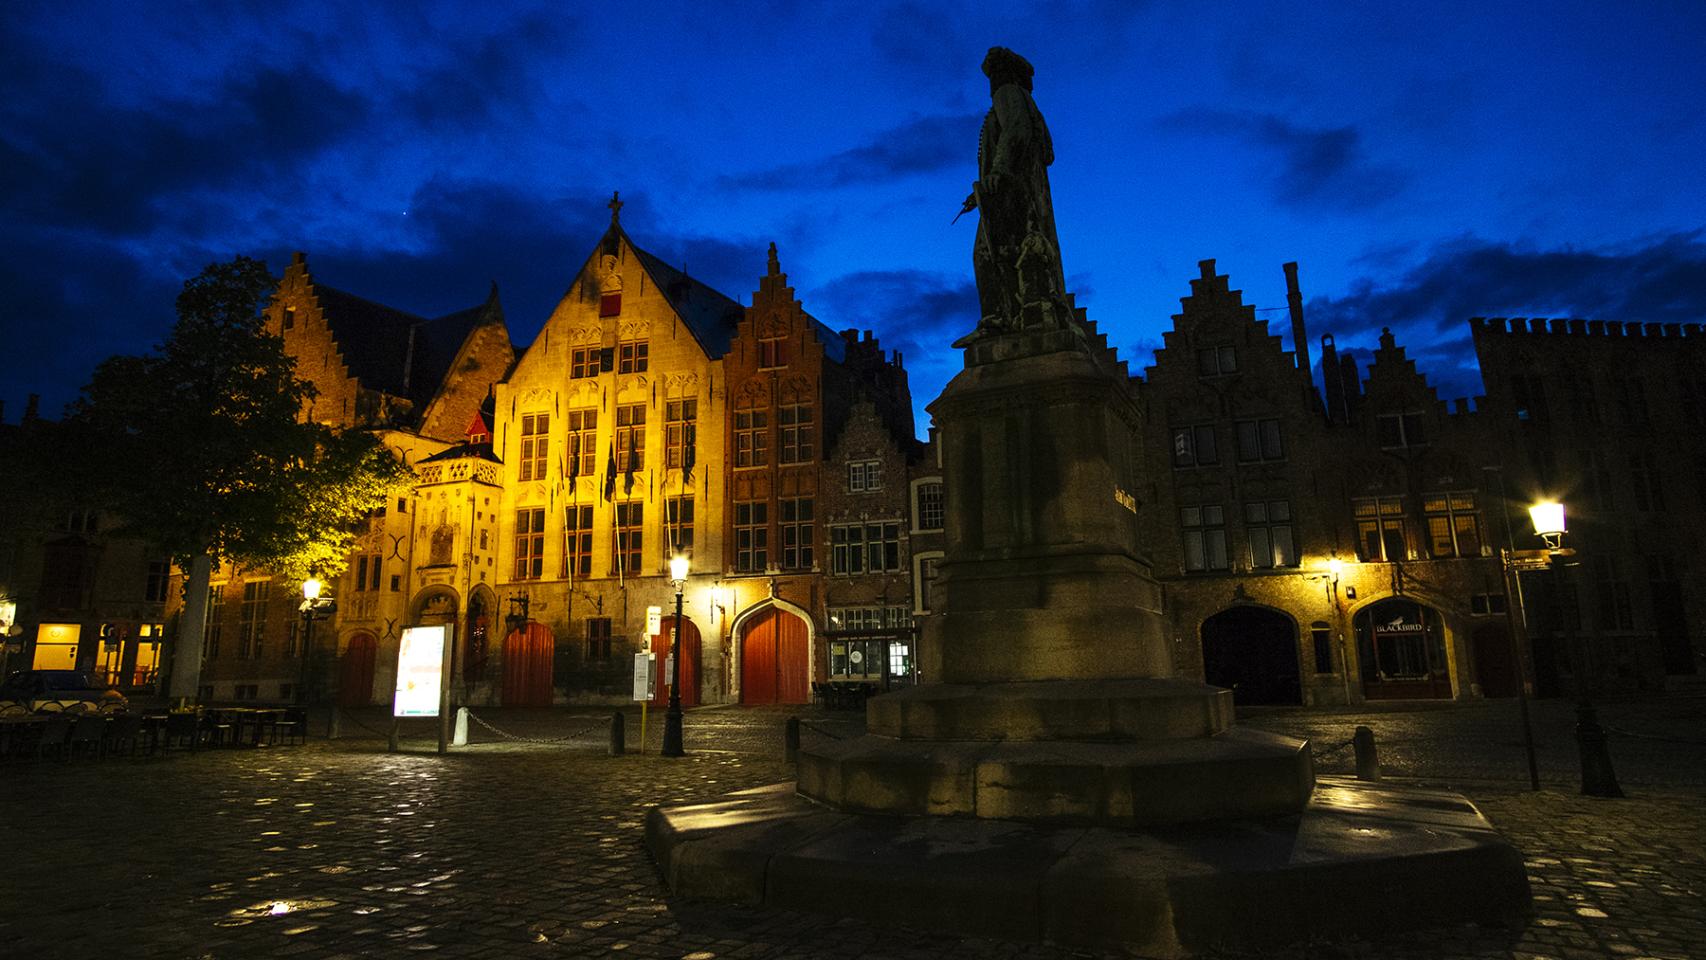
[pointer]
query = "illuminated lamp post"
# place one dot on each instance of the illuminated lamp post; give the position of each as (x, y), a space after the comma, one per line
(314, 607)
(672, 719)
(1598, 779)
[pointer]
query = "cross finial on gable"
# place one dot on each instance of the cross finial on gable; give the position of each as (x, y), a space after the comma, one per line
(615, 206)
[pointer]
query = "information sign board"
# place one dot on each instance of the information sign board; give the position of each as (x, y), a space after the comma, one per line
(420, 668)
(654, 621)
(642, 676)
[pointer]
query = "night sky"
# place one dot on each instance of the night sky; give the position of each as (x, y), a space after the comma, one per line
(1423, 162)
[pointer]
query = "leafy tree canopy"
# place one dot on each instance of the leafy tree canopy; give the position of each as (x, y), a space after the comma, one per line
(201, 447)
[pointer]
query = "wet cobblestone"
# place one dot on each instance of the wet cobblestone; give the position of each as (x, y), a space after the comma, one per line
(508, 849)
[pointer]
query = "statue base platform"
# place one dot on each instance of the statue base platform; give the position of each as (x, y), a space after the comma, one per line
(1359, 860)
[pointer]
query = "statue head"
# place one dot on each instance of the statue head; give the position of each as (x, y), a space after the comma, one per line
(1002, 66)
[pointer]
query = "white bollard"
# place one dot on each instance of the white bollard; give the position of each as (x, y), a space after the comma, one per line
(461, 738)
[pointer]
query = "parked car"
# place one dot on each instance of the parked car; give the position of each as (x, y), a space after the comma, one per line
(69, 691)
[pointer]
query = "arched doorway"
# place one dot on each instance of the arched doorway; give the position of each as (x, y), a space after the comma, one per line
(476, 636)
(1495, 665)
(355, 671)
(1252, 651)
(1401, 651)
(689, 663)
(528, 654)
(775, 662)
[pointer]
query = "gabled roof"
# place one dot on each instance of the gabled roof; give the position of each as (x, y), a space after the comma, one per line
(391, 350)
(710, 316)
(479, 451)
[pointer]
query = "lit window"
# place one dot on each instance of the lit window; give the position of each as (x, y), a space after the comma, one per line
(629, 536)
(583, 363)
(1267, 523)
(1454, 528)
(1380, 529)
(251, 628)
(681, 428)
(630, 438)
(678, 525)
(752, 438)
(577, 541)
(1205, 537)
(583, 443)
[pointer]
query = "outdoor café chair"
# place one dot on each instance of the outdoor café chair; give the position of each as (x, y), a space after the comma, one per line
(124, 730)
(87, 733)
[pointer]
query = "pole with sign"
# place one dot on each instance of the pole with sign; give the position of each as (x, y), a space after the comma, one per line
(643, 690)
(423, 664)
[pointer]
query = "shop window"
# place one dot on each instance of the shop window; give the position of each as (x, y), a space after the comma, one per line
(1380, 529)
(1205, 537)
(1454, 527)
(1194, 446)
(1400, 640)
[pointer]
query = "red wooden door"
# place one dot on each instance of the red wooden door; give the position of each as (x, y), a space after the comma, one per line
(355, 671)
(775, 667)
(689, 664)
(527, 666)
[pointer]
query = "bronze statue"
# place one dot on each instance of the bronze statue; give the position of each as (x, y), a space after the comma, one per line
(1017, 255)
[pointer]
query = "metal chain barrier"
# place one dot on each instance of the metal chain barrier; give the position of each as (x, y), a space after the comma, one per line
(520, 739)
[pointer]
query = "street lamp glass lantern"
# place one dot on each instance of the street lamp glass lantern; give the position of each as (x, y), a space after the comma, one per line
(311, 588)
(678, 569)
(1336, 568)
(1548, 520)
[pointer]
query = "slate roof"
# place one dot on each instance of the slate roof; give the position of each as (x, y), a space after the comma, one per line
(709, 315)
(482, 451)
(375, 342)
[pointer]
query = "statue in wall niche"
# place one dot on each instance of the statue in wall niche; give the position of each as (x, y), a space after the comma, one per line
(443, 542)
(1016, 256)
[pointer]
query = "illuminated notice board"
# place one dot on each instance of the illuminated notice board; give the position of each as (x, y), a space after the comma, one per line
(420, 669)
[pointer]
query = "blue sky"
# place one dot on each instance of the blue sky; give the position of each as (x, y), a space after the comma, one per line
(1424, 162)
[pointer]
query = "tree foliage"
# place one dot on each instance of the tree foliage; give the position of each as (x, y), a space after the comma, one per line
(201, 447)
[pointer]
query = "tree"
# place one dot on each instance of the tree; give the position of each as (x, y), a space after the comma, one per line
(203, 449)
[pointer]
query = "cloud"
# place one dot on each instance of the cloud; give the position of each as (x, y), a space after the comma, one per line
(916, 312)
(1656, 280)
(1319, 167)
(922, 145)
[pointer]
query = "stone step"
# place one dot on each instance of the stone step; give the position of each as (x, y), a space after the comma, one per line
(1238, 773)
(1132, 709)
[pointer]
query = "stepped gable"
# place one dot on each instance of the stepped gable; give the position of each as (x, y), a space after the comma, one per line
(1214, 309)
(1393, 377)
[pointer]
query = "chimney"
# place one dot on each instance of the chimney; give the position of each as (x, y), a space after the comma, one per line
(1299, 336)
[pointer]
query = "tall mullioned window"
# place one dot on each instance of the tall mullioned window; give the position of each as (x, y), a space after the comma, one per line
(1205, 537)
(251, 628)
(630, 437)
(752, 438)
(864, 548)
(633, 356)
(582, 443)
(577, 541)
(1194, 446)
(752, 536)
(1454, 526)
(795, 433)
(1267, 523)
(929, 509)
(630, 525)
(798, 532)
(678, 525)
(1380, 529)
(530, 543)
(535, 445)
(215, 622)
(681, 428)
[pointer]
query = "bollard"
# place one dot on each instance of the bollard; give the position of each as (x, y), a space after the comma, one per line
(461, 737)
(335, 726)
(1368, 764)
(791, 741)
(618, 734)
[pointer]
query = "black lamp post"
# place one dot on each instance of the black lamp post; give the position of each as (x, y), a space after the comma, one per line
(672, 719)
(314, 607)
(1598, 779)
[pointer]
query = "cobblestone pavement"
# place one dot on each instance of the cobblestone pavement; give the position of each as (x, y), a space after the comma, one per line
(507, 848)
